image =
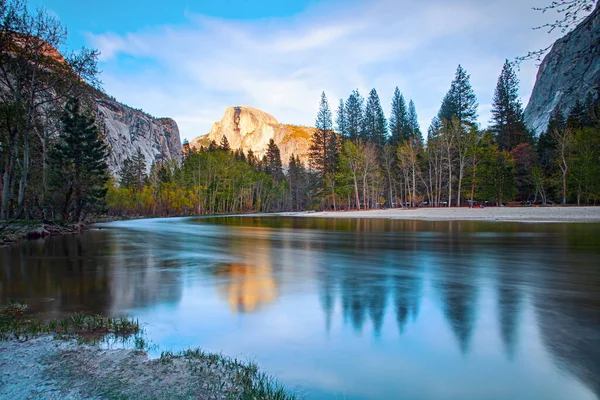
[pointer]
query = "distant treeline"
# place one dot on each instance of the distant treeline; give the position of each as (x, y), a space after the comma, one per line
(369, 161)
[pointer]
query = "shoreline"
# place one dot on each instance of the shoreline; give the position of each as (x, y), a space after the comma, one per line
(54, 367)
(491, 214)
(15, 232)
(91, 356)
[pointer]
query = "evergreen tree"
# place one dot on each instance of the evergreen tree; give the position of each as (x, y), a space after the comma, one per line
(252, 159)
(224, 145)
(354, 115)
(138, 164)
(323, 140)
(577, 116)
(399, 128)
(79, 160)
(298, 181)
(374, 122)
(434, 129)
(507, 111)
(213, 146)
(273, 165)
(460, 101)
(413, 123)
(340, 120)
(126, 175)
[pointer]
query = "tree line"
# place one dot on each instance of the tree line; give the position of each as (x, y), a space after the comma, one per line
(367, 160)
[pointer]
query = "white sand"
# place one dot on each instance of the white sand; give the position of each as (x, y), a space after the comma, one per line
(516, 214)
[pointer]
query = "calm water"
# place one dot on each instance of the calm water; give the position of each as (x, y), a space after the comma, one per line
(345, 309)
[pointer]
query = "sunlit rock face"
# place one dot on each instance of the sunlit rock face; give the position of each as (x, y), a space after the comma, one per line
(251, 129)
(127, 130)
(124, 129)
(568, 73)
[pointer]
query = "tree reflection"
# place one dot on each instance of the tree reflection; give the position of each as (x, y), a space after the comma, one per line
(568, 310)
(509, 304)
(75, 273)
(407, 294)
(459, 294)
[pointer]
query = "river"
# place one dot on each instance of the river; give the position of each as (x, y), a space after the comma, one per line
(344, 309)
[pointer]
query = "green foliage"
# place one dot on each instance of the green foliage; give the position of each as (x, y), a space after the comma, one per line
(273, 165)
(507, 111)
(208, 182)
(374, 121)
(354, 115)
(460, 101)
(413, 122)
(399, 126)
(80, 171)
(495, 173)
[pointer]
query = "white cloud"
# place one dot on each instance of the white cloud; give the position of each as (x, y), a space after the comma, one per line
(192, 72)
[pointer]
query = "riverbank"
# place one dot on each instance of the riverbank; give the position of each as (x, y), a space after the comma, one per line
(47, 368)
(16, 231)
(12, 232)
(506, 214)
(65, 359)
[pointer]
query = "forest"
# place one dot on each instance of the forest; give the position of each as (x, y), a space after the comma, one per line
(366, 160)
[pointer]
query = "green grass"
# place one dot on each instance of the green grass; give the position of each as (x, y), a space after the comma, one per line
(14, 324)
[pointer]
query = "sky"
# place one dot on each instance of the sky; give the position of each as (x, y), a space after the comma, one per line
(189, 60)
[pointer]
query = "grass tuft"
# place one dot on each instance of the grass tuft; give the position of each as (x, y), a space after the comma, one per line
(14, 324)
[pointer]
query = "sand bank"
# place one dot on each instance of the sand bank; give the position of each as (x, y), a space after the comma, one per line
(513, 214)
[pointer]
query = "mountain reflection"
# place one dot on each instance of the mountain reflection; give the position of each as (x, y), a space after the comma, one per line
(247, 287)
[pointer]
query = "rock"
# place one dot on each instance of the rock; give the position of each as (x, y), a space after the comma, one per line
(128, 129)
(568, 73)
(251, 129)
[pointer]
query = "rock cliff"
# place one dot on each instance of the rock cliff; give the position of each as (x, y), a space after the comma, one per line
(251, 129)
(568, 73)
(127, 129)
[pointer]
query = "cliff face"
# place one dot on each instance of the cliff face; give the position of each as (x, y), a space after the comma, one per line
(128, 129)
(251, 129)
(568, 73)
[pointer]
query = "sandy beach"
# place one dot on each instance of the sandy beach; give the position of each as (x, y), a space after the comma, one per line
(509, 214)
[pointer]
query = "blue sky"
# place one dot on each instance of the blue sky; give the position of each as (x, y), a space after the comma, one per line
(189, 60)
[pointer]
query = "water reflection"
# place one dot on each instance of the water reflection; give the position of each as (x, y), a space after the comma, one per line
(512, 309)
(247, 287)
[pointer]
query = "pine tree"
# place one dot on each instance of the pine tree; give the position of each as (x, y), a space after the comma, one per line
(273, 165)
(460, 101)
(507, 111)
(340, 120)
(213, 146)
(399, 128)
(354, 115)
(325, 142)
(577, 116)
(126, 174)
(138, 164)
(374, 121)
(413, 123)
(224, 145)
(79, 163)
